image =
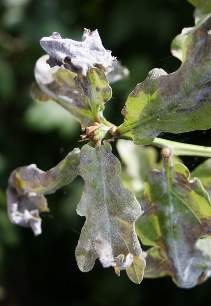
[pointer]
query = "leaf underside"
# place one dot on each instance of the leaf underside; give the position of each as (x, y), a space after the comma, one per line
(28, 185)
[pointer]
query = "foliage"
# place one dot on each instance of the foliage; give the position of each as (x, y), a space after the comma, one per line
(174, 211)
(111, 212)
(28, 185)
(177, 215)
(83, 97)
(176, 102)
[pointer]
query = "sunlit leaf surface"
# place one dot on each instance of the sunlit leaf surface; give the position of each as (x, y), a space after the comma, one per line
(175, 102)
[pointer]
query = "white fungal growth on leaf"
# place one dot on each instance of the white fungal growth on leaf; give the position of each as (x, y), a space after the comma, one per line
(83, 54)
(28, 186)
(24, 207)
(111, 211)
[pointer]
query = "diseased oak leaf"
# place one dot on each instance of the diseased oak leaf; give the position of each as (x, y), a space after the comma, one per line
(177, 216)
(177, 102)
(28, 185)
(83, 97)
(80, 56)
(180, 45)
(111, 212)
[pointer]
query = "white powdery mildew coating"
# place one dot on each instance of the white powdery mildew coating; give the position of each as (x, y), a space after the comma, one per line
(28, 186)
(24, 206)
(105, 253)
(83, 55)
(111, 211)
(23, 216)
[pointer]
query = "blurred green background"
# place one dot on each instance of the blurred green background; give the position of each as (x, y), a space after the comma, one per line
(42, 271)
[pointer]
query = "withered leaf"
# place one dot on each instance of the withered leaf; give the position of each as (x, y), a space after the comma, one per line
(83, 55)
(83, 97)
(28, 185)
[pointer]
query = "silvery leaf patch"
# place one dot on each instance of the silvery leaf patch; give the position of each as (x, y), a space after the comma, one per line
(28, 185)
(111, 211)
(79, 56)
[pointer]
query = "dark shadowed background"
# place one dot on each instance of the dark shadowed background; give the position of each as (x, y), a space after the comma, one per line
(42, 271)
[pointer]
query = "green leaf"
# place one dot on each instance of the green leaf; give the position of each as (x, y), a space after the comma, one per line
(84, 97)
(177, 102)
(28, 185)
(177, 214)
(111, 212)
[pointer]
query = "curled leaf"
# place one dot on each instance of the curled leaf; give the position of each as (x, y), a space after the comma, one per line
(24, 210)
(175, 102)
(82, 97)
(82, 55)
(111, 212)
(28, 185)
